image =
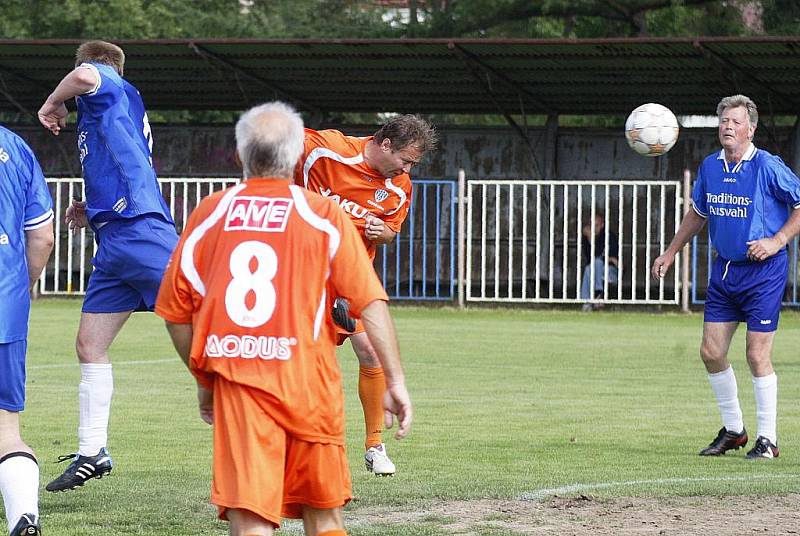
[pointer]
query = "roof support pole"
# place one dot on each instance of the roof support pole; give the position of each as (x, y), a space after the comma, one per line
(279, 92)
(551, 147)
(483, 81)
(795, 149)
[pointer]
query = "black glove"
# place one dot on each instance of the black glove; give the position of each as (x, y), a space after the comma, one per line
(341, 315)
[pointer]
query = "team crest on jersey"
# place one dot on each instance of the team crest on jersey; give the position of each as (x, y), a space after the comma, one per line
(264, 214)
(381, 195)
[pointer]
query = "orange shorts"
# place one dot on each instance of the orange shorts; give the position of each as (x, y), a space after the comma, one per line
(342, 334)
(259, 467)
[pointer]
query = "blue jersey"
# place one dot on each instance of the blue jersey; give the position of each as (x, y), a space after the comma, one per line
(25, 204)
(115, 144)
(746, 201)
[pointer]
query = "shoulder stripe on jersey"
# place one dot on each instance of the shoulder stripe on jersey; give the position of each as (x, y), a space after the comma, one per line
(400, 193)
(704, 216)
(324, 152)
(40, 221)
(187, 256)
(97, 75)
(324, 225)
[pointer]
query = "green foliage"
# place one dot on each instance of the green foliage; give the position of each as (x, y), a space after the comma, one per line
(781, 17)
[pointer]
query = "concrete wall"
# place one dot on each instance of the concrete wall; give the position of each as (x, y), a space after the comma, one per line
(486, 153)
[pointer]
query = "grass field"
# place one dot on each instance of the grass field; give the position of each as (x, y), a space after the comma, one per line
(509, 404)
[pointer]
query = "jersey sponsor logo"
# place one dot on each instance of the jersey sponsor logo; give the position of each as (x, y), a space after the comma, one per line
(269, 215)
(4, 239)
(728, 212)
(375, 205)
(4, 156)
(250, 347)
(83, 147)
(381, 195)
(735, 205)
(728, 199)
(351, 207)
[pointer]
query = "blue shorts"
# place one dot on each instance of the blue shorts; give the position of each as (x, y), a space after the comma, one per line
(747, 292)
(12, 375)
(129, 264)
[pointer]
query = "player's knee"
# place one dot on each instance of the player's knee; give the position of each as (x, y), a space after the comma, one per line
(321, 521)
(758, 359)
(247, 523)
(364, 351)
(368, 360)
(709, 354)
(87, 351)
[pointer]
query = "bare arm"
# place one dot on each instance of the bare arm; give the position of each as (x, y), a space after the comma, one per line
(181, 335)
(38, 245)
(378, 232)
(381, 333)
(53, 113)
(690, 226)
(763, 248)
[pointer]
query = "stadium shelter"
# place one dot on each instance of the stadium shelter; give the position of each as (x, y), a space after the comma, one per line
(512, 251)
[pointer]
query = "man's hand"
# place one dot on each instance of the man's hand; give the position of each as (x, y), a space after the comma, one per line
(764, 248)
(205, 400)
(397, 405)
(52, 116)
(341, 315)
(662, 265)
(75, 216)
(374, 228)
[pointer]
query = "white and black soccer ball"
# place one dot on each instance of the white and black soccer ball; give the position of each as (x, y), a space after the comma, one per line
(651, 129)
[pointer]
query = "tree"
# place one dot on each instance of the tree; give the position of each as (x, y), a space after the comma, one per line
(579, 18)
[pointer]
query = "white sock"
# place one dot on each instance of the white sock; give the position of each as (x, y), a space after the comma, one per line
(766, 389)
(94, 400)
(724, 386)
(19, 485)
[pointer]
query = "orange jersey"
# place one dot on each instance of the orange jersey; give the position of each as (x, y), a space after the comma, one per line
(333, 166)
(250, 274)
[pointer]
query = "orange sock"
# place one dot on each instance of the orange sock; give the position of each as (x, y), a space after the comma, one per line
(371, 385)
(340, 532)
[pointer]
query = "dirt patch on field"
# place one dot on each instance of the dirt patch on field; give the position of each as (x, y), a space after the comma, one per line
(585, 515)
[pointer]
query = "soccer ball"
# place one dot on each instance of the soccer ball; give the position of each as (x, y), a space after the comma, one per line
(651, 129)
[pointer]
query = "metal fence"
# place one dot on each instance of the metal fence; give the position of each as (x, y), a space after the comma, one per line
(486, 241)
(523, 240)
(421, 262)
(418, 265)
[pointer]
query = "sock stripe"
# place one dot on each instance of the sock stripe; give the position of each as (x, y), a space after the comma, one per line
(20, 454)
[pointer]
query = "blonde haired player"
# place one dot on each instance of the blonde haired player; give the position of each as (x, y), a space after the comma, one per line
(369, 179)
(246, 300)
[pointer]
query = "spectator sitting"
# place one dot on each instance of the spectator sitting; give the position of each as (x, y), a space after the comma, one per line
(602, 242)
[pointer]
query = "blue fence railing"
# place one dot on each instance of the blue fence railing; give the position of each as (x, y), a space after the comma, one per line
(420, 264)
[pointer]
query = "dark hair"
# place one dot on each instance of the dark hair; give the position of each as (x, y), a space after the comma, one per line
(405, 130)
(101, 52)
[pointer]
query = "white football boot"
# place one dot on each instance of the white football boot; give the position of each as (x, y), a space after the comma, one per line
(378, 462)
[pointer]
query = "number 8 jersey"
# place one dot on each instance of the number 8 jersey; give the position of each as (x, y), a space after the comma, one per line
(250, 273)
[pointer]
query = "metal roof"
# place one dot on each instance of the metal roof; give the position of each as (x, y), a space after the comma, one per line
(588, 76)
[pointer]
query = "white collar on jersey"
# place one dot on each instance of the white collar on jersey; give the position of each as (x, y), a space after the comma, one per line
(748, 155)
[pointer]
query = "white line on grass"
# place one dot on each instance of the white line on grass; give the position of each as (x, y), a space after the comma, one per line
(73, 364)
(542, 494)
